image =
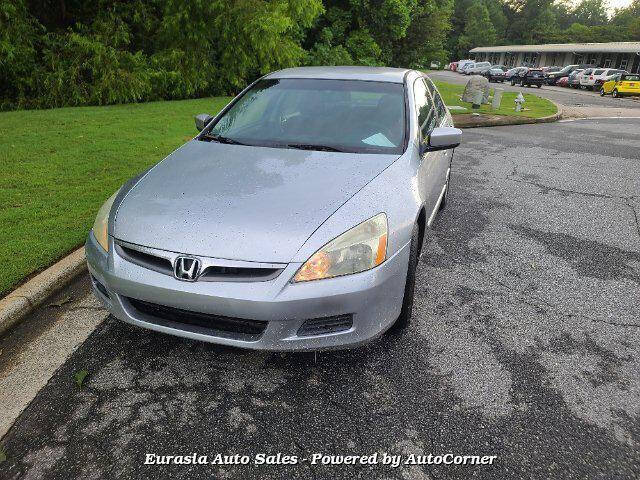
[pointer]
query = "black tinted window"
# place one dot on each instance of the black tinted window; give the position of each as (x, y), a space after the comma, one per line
(424, 107)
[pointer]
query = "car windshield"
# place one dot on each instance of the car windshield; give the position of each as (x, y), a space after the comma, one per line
(317, 114)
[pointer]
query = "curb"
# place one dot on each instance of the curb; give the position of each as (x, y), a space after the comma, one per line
(474, 121)
(15, 306)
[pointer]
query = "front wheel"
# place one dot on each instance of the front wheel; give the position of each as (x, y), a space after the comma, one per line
(410, 286)
(615, 93)
(602, 94)
(539, 86)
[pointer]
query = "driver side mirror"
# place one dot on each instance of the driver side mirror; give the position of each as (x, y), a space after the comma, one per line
(443, 138)
(202, 120)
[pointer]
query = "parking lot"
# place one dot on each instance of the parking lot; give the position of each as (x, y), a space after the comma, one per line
(570, 97)
(525, 345)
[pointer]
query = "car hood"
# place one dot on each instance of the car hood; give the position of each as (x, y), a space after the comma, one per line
(240, 202)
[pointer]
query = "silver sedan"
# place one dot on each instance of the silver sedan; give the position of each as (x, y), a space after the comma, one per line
(292, 221)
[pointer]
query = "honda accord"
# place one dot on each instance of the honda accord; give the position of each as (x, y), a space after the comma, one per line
(292, 221)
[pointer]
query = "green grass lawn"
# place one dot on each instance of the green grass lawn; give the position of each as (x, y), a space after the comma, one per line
(59, 165)
(535, 107)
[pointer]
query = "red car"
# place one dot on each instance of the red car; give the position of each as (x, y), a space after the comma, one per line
(563, 82)
(453, 66)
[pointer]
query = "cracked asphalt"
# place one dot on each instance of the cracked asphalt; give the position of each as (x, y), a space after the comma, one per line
(525, 344)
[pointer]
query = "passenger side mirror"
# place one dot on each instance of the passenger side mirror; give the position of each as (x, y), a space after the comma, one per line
(202, 120)
(443, 138)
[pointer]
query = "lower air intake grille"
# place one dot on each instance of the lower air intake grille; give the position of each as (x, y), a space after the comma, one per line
(208, 321)
(100, 287)
(321, 326)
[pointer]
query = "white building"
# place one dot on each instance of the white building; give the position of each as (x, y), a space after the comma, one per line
(623, 55)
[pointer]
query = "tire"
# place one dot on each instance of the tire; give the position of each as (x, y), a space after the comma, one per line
(513, 83)
(615, 93)
(539, 85)
(404, 318)
(602, 94)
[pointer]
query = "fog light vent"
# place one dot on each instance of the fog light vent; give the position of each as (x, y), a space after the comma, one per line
(322, 326)
(100, 287)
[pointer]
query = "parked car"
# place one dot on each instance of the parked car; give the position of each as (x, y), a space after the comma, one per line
(453, 66)
(494, 75)
(621, 85)
(580, 76)
(574, 81)
(552, 77)
(530, 76)
(510, 74)
(462, 64)
(478, 69)
(548, 70)
(292, 221)
(563, 82)
(599, 76)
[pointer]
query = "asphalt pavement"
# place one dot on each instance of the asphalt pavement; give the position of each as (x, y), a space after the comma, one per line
(570, 97)
(525, 345)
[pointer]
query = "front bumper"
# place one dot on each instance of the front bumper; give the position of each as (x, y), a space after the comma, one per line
(373, 298)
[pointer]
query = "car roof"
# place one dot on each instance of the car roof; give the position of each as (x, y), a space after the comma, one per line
(378, 74)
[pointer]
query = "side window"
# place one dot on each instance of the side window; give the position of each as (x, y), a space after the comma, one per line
(424, 107)
(441, 110)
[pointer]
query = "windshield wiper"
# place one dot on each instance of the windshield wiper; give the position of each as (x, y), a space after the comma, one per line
(309, 146)
(221, 139)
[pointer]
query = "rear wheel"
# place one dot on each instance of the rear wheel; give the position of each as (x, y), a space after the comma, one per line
(539, 85)
(615, 93)
(410, 286)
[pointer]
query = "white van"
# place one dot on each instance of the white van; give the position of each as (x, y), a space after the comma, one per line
(462, 63)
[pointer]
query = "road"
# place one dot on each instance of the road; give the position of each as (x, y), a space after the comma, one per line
(525, 344)
(565, 96)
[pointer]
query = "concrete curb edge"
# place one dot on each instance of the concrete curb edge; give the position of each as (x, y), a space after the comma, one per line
(505, 120)
(24, 299)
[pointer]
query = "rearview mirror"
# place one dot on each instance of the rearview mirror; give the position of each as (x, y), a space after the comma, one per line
(202, 120)
(443, 138)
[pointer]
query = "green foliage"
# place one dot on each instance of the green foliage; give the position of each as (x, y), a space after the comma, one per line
(56, 53)
(539, 22)
(18, 54)
(79, 377)
(145, 50)
(478, 29)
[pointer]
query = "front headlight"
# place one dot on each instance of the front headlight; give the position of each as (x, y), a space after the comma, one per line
(359, 249)
(102, 221)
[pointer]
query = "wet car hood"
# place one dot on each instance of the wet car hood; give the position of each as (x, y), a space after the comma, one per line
(240, 202)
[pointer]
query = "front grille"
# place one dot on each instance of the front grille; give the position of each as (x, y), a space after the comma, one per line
(321, 326)
(239, 274)
(146, 260)
(211, 273)
(160, 314)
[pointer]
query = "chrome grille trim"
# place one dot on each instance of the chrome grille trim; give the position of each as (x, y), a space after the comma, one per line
(213, 269)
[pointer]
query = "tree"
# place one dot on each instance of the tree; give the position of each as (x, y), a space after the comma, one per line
(426, 36)
(590, 12)
(478, 29)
